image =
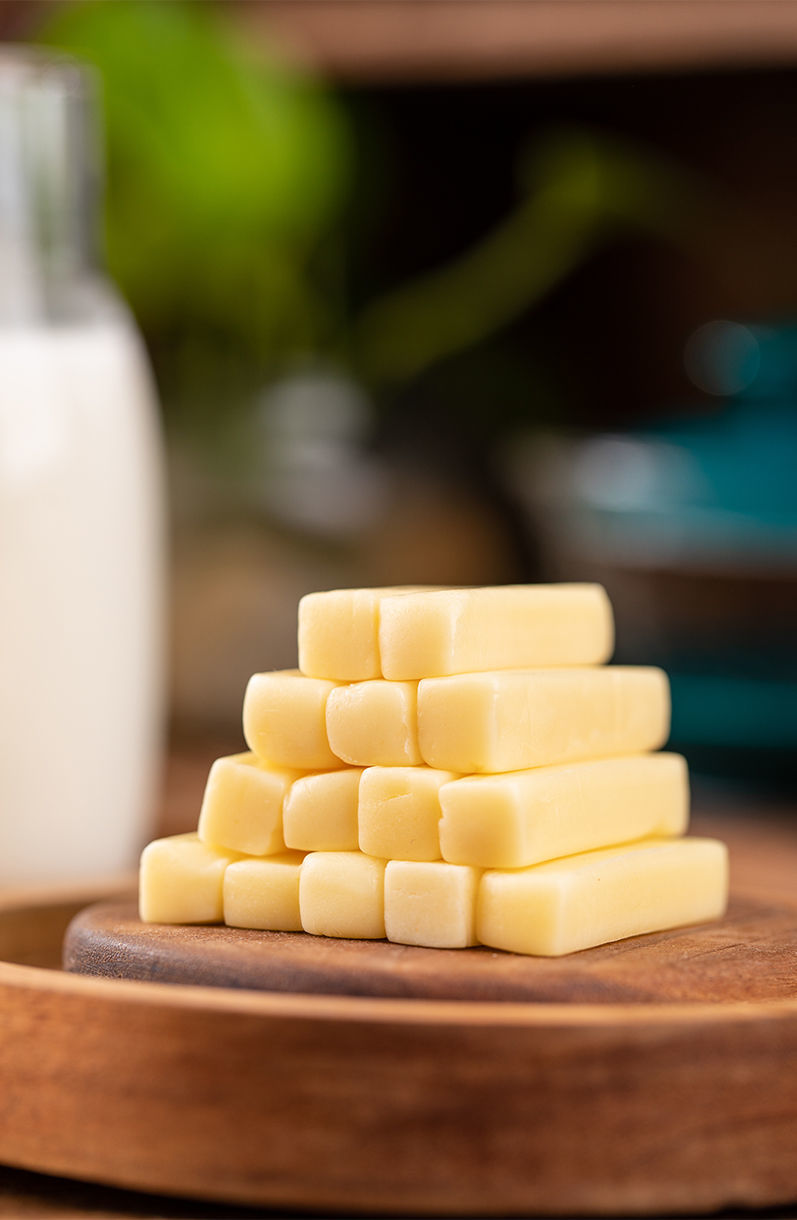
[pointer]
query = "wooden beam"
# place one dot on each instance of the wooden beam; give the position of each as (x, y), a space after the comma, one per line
(469, 40)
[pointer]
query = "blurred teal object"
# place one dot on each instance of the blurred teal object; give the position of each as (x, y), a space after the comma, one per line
(691, 524)
(228, 172)
(720, 486)
(744, 497)
(745, 456)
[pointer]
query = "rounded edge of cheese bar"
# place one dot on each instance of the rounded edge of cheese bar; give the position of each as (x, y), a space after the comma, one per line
(431, 903)
(398, 812)
(345, 651)
(181, 880)
(354, 712)
(518, 818)
(270, 701)
(263, 893)
(441, 633)
(473, 737)
(598, 897)
(242, 805)
(342, 894)
(320, 812)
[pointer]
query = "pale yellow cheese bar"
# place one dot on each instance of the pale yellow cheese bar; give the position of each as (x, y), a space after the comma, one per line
(399, 812)
(513, 719)
(320, 811)
(431, 904)
(342, 893)
(596, 897)
(339, 632)
(285, 720)
(181, 879)
(453, 631)
(264, 893)
(374, 723)
(242, 806)
(520, 818)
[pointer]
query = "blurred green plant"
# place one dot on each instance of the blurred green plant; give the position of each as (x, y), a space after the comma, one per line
(229, 175)
(227, 172)
(578, 191)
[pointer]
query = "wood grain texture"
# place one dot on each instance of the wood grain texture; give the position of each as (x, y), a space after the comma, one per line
(414, 1105)
(749, 955)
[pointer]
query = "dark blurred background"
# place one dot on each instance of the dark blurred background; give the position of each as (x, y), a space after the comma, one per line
(468, 293)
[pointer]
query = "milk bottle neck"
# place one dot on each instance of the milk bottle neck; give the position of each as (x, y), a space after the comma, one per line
(49, 189)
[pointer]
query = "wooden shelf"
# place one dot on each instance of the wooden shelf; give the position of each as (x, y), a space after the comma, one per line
(468, 40)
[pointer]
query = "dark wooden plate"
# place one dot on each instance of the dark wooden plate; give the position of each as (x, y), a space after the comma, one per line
(749, 955)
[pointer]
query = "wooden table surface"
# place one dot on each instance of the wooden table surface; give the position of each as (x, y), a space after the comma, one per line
(26, 1194)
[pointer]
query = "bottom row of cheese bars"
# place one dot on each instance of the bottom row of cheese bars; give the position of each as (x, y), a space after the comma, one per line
(548, 909)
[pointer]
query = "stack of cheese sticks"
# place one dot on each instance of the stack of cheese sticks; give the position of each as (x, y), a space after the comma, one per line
(448, 767)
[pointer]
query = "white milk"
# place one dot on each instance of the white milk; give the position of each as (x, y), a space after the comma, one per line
(80, 599)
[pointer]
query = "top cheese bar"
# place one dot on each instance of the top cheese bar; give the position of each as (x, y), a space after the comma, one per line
(406, 634)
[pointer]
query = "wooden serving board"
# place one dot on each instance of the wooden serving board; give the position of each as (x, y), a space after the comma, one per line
(656, 1076)
(750, 955)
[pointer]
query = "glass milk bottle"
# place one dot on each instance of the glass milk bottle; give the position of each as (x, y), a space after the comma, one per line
(81, 512)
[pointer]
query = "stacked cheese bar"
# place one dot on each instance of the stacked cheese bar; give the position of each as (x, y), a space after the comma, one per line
(448, 767)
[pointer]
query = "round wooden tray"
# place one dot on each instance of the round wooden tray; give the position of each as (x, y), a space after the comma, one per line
(659, 1103)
